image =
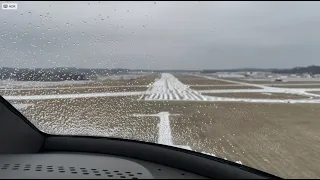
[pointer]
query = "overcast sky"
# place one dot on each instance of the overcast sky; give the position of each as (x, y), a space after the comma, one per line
(160, 35)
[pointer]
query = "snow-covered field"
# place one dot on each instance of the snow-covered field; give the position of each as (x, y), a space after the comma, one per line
(265, 89)
(13, 84)
(73, 96)
(173, 114)
(288, 79)
(21, 106)
(169, 87)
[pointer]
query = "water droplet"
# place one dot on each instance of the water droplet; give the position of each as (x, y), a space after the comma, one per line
(48, 29)
(29, 12)
(143, 26)
(67, 24)
(21, 14)
(82, 33)
(102, 19)
(4, 22)
(38, 27)
(154, 2)
(40, 15)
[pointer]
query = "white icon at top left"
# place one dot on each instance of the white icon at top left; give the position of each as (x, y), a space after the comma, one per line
(9, 6)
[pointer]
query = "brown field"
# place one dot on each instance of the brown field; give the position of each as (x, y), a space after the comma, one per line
(257, 95)
(194, 80)
(278, 138)
(144, 80)
(221, 87)
(282, 139)
(70, 91)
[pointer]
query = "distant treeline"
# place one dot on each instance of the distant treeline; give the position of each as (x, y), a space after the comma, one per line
(299, 70)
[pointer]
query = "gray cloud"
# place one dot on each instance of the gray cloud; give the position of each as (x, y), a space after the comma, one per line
(160, 35)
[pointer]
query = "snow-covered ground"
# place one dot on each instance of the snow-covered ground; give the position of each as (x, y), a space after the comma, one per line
(169, 87)
(21, 106)
(288, 79)
(72, 96)
(13, 84)
(265, 89)
(267, 84)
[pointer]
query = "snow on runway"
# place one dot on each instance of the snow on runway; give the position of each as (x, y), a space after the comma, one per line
(169, 87)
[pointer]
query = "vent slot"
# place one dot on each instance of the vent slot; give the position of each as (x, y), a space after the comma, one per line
(105, 173)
